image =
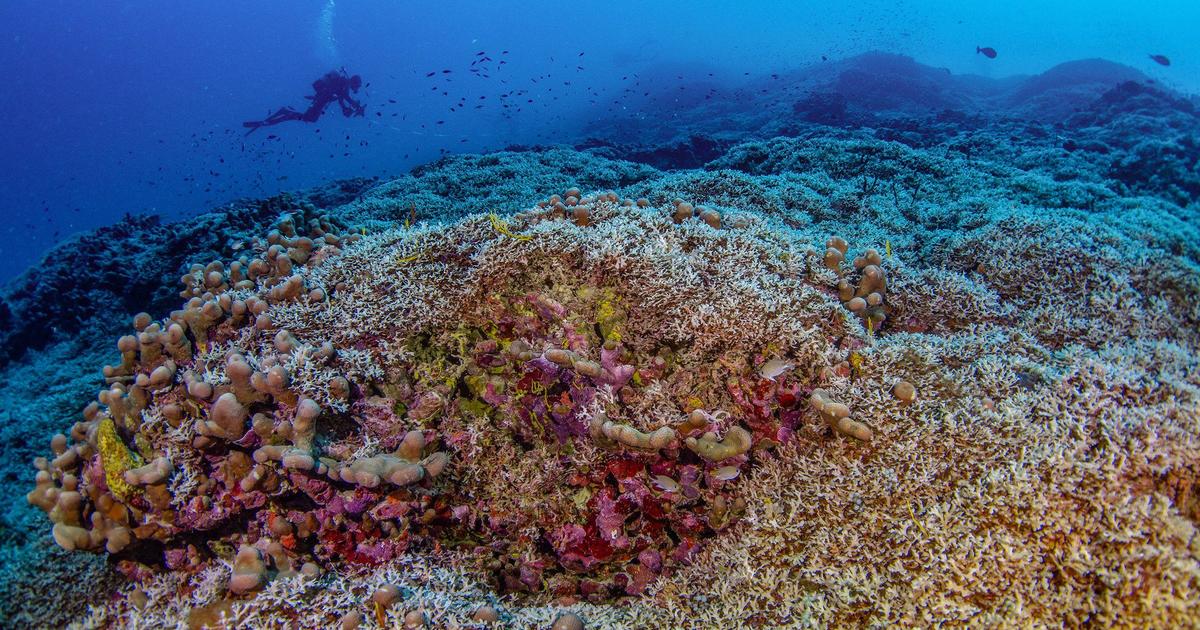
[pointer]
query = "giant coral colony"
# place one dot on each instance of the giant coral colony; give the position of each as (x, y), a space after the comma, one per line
(562, 402)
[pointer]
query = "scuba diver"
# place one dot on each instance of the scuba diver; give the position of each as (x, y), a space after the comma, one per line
(336, 85)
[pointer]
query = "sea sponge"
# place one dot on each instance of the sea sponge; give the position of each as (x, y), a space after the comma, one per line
(630, 436)
(226, 420)
(304, 426)
(904, 392)
(869, 299)
(567, 621)
(155, 472)
(351, 620)
(736, 442)
(386, 595)
(485, 613)
(835, 253)
(67, 516)
(683, 211)
(401, 468)
(249, 570)
(837, 415)
(415, 619)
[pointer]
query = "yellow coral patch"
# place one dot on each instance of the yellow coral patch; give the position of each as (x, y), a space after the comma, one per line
(609, 316)
(116, 458)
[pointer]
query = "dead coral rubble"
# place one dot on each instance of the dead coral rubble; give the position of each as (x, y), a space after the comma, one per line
(568, 399)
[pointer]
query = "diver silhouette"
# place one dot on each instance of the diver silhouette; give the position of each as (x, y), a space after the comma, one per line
(336, 85)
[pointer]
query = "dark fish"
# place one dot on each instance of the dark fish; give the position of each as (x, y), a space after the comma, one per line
(430, 74)
(1161, 60)
(990, 53)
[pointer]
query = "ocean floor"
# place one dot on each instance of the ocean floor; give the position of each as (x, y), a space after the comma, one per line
(828, 361)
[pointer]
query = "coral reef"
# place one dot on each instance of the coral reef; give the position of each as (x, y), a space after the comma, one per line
(92, 280)
(343, 400)
(939, 370)
(572, 413)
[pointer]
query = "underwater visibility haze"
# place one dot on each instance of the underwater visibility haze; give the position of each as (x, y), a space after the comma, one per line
(357, 314)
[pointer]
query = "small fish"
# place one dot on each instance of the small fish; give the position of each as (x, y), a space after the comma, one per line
(774, 368)
(1161, 60)
(986, 51)
(666, 484)
(887, 247)
(430, 74)
(726, 473)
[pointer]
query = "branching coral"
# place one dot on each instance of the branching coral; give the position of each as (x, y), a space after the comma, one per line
(543, 394)
(509, 352)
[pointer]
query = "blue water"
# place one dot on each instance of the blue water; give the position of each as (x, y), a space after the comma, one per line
(135, 107)
(1035, 209)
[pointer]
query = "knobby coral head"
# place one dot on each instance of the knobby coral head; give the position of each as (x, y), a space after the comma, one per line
(562, 402)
